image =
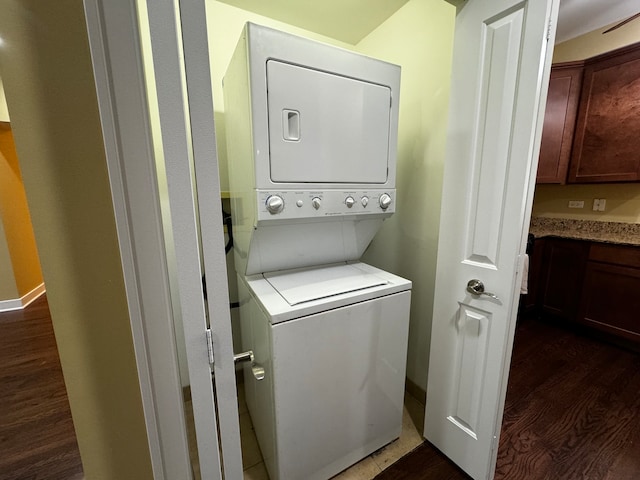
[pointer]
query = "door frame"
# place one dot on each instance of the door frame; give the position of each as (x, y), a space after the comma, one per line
(114, 32)
(118, 68)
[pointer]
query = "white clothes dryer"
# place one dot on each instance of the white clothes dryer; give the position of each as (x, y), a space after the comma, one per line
(331, 342)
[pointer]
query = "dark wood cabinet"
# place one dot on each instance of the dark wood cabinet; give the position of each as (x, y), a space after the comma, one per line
(591, 283)
(564, 262)
(559, 122)
(611, 293)
(606, 145)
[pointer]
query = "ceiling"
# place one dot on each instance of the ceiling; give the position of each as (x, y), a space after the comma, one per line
(581, 16)
(351, 20)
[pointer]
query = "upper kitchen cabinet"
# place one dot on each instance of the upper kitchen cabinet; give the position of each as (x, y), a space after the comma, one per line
(606, 146)
(559, 122)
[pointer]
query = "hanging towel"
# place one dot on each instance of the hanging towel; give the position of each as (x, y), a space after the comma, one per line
(524, 287)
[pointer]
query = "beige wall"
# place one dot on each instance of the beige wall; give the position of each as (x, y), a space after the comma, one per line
(419, 38)
(623, 200)
(46, 69)
(14, 214)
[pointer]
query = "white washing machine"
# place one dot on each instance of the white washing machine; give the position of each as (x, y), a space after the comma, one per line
(311, 141)
(333, 342)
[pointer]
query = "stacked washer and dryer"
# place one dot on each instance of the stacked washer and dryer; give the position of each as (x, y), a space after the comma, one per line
(311, 141)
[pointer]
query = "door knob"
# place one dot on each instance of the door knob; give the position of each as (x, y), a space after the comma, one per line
(256, 369)
(476, 287)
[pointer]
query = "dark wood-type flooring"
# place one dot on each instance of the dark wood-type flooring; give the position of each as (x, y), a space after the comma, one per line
(572, 409)
(37, 440)
(572, 412)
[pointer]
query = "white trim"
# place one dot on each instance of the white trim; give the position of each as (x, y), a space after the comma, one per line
(10, 305)
(22, 302)
(200, 101)
(178, 154)
(114, 38)
(33, 295)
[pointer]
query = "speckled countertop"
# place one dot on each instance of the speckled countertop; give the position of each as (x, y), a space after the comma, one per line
(609, 232)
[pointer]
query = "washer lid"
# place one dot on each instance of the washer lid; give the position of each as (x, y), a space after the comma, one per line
(322, 282)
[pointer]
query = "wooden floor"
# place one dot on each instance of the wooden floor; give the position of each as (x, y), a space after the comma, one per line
(572, 412)
(572, 409)
(37, 440)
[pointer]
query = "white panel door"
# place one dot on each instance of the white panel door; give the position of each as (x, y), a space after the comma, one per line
(326, 128)
(499, 81)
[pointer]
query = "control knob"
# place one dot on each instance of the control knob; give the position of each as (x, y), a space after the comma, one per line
(316, 202)
(349, 201)
(275, 204)
(364, 201)
(385, 201)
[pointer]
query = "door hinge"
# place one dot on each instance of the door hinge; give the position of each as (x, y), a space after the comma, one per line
(549, 29)
(209, 345)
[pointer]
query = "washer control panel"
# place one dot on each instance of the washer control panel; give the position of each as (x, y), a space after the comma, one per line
(292, 204)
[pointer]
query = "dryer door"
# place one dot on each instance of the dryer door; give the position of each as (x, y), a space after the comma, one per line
(325, 128)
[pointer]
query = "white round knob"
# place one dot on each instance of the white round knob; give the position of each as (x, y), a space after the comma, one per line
(364, 201)
(299, 203)
(275, 204)
(385, 201)
(349, 201)
(316, 202)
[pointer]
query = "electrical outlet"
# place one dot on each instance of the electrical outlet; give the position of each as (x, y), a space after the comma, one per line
(596, 204)
(576, 203)
(603, 204)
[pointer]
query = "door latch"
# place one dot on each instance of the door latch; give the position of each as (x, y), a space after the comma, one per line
(256, 369)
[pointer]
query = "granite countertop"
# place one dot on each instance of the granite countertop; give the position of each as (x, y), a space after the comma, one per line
(608, 232)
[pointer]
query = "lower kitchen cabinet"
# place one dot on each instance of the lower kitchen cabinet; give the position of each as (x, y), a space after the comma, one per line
(563, 265)
(611, 293)
(591, 283)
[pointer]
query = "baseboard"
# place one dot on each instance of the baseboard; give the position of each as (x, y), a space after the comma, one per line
(9, 305)
(20, 303)
(415, 391)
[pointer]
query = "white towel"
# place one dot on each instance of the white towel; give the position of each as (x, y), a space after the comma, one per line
(524, 287)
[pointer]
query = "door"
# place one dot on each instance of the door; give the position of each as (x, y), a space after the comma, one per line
(185, 106)
(501, 66)
(338, 134)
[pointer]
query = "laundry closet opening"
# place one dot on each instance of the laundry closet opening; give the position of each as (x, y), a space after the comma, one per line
(417, 36)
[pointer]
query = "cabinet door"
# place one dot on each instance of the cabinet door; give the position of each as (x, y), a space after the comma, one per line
(559, 122)
(607, 145)
(565, 262)
(610, 300)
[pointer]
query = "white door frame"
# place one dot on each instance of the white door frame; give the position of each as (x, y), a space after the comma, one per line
(114, 36)
(114, 39)
(114, 42)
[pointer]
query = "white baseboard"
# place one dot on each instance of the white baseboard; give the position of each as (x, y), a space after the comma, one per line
(20, 303)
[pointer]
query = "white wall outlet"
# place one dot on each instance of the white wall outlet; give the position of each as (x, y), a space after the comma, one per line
(596, 204)
(602, 205)
(576, 203)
